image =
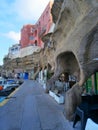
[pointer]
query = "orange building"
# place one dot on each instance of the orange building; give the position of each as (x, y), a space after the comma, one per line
(32, 34)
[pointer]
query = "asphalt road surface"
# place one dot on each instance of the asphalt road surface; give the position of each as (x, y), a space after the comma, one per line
(30, 108)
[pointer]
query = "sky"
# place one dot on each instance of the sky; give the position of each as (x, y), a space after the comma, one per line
(13, 15)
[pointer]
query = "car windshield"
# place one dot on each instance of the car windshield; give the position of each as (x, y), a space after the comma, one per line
(0, 82)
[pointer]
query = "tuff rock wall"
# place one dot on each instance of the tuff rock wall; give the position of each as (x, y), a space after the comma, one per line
(76, 45)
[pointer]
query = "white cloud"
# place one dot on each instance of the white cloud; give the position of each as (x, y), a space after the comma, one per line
(13, 36)
(29, 9)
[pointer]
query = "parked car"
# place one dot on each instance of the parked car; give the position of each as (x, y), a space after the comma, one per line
(2, 81)
(8, 84)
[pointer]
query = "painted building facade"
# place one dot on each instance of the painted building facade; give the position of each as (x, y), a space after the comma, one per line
(14, 51)
(27, 36)
(44, 23)
(32, 34)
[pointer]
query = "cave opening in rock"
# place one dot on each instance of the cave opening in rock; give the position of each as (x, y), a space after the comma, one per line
(67, 63)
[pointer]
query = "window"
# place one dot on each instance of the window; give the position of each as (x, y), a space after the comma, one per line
(31, 37)
(12, 49)
(0, 82)
(16, 49)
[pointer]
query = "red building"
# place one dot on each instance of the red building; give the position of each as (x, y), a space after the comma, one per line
(32, 34)
(27, 37)
(44, 23)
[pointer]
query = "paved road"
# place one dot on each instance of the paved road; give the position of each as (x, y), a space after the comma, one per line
(29, 108)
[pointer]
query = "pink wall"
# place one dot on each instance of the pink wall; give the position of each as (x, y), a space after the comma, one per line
(31, 34)
(44, 23)
(27, 36)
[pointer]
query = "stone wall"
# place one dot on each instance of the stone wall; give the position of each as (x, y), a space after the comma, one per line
(76, 44)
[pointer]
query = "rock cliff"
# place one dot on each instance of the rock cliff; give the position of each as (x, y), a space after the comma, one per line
(76, 45)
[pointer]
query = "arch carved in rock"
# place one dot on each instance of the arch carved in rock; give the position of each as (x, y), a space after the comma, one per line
(76, 42)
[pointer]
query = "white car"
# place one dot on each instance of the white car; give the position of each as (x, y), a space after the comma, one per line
(8, 85)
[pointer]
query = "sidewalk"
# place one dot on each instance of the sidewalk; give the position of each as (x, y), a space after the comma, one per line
(32, 109)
